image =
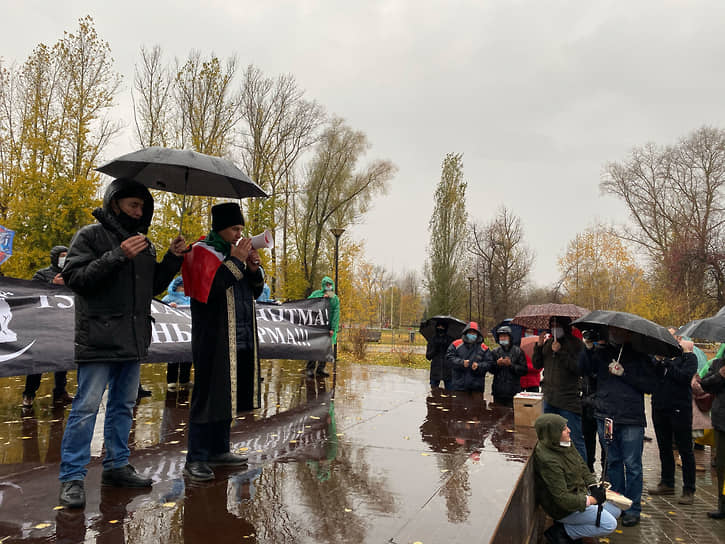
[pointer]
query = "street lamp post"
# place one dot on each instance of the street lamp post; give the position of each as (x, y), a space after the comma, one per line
(336, 233)
(470, 296)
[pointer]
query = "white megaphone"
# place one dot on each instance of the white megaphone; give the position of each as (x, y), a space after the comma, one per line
(263, 240)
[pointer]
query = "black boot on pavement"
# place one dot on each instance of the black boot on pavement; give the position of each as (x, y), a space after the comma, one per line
(688, 497)
(661, 489)
(143, 392)
(62, 399)
(556, 534)
(198, 471)
(72, 494)
(125, 476)
(630, 520)
(227, 459)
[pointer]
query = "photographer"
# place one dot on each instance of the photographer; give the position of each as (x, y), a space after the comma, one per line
(565, 488)
(672, 417)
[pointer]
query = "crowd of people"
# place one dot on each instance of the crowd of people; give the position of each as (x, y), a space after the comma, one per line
(594, 386)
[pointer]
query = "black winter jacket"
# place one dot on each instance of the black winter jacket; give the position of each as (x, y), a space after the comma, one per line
(465, 378)
(620, 398)
(507, 379)
(672, 391)
(435, 352)
(48, 274)
(714, 383)
(113, 293)
(561, 372)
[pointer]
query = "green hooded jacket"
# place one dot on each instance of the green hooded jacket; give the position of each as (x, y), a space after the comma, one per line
(562, 476)
(334, 305)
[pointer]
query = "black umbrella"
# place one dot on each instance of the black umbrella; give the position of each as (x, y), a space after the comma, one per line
(647, 337)
(184, 172)
(710, 328)
(454, 326)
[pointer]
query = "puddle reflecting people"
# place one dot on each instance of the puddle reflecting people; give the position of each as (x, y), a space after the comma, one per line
(223, 277)
(112, 268)
(327, 291)
(565, 488)
(177, 374)
(557, 353)
(50, 274)
(468, 358)
(435, 352)
(508, 366)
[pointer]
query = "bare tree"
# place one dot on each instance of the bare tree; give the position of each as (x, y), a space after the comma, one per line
(505, 262)
(675, 198)
(335, 193)
(153, 85)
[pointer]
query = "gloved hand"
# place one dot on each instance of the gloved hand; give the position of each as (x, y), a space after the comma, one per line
(616, 368)
(598, 492)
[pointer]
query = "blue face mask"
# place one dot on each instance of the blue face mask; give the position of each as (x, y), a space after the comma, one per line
(471, 337)
(503, 343)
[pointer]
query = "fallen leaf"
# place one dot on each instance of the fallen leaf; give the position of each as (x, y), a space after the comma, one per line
(444, 470)
(425, 454)
(314, 417)
(59, 507)
(173, 442)
(245, 448)
(112, 521)
(293, 441)
(169, 504)
(348, 510)
(41, 526)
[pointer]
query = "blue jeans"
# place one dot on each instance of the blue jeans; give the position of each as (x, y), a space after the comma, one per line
(122, 380)
(624, 462)
(574, 422)
(583, 524)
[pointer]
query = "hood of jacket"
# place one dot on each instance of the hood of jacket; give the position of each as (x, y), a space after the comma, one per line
(327, 279)
(473, 326)
(174, 285)
(548, 430)
(124, 185)
(55, 254)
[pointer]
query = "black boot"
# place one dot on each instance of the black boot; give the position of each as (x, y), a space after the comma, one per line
(125, 476)
(556, 534)
(720, 512)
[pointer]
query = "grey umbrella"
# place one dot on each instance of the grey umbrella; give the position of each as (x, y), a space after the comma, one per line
(184, 172)
(647, 337)
(710, 328)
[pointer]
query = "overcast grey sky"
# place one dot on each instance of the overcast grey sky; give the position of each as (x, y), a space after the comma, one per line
(538, 95)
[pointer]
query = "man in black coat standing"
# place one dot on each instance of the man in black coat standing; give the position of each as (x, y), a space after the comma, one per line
(223, 278)
(49, 274)
(112, 269)
(672, 417)
(435, 352)
(508, 364)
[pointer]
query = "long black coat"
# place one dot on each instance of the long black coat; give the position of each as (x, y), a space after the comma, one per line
(435, 352)
(218, 343)
(113, 293)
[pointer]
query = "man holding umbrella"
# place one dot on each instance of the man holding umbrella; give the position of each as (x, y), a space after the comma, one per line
(111, 266)
(624, 375)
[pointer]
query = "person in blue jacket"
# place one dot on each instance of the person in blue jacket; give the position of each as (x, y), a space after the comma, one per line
(177, 374)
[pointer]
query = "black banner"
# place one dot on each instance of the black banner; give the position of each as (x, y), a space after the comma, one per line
(37, 329)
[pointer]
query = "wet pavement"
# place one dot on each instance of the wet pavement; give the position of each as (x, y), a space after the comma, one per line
(384, 461)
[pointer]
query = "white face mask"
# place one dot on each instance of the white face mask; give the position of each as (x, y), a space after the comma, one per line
(557, 332)
(61, 262)
(565, 444)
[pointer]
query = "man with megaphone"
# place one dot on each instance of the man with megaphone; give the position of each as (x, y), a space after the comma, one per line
(222, 276)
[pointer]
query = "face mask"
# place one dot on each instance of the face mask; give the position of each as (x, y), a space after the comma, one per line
(328, 287)
(503, 343)
(471, 337)
(61, 262)
(565, 444)
(128, 222)
(558, 332)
